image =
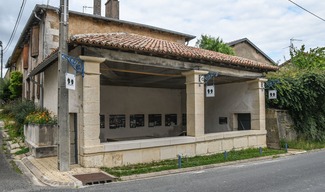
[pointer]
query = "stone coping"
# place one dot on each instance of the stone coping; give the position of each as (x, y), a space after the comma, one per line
(168, 141)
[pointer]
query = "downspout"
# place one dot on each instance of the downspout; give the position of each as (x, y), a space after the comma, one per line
(42, 74)
(43, 57)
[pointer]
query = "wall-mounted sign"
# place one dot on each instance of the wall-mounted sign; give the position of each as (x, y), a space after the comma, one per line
(70, 81)
(209, 91)
(272, 94)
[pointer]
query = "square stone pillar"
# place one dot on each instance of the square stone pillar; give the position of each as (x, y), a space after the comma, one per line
(195, 103)
(258, 112)
(90, 123)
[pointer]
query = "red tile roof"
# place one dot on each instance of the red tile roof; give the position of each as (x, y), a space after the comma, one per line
(143, 44)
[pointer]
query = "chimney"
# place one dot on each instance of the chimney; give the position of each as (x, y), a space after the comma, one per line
(112, 9)
(97, 7)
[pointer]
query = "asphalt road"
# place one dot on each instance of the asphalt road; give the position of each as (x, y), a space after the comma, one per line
(299, 173)
(10, 180)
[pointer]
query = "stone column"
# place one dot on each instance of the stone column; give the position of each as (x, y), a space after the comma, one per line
(258, 112)
(195, 103)
(90, 123)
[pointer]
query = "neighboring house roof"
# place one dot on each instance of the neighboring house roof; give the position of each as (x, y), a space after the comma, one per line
(39, 9)
(148, 45)
(243, 40)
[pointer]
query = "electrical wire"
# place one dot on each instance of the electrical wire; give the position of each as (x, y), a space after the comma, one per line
(16, 26)
(307, 10)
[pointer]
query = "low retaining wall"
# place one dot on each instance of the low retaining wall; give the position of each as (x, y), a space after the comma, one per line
(279, 125)
(145, 151)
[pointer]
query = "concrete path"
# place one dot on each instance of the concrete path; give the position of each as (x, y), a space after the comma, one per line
(46, 170)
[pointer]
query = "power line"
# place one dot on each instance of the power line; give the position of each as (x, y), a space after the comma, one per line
(16, 25)
(307, 11)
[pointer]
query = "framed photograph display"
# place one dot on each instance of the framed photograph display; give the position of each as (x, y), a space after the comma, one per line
(154, 120)
(170, 120)
(116, 121)
(136, 120)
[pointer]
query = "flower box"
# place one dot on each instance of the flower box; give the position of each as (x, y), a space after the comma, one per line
(41, 139)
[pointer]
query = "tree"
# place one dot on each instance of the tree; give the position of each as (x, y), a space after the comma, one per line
(214, 44)
(16, 83)
(312, 59)
(4, 90)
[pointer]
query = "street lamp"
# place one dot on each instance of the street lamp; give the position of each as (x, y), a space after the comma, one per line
(1, 57)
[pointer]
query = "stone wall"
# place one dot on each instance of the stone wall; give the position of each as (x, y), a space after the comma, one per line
(247, 51)
(232, 99)
(279, 125)
(148, 150)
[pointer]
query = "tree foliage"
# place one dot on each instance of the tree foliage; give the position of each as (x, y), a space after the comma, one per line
(4, 90)
(301, 90)
(313, 59)
(214, 44)
(16, 82)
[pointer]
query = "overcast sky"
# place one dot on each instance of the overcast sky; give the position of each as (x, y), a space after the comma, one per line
(269, 24)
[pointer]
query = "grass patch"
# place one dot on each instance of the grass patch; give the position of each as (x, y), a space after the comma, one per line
(190, 162)
(305, 145)
(22, 151)
(15, 167)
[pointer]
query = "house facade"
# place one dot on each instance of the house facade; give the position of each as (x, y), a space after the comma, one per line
(143, 95)
(247, 49)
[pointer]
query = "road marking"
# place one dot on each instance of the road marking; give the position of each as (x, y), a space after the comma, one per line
(198, 172)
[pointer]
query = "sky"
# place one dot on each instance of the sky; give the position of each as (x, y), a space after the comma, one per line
(268, 24)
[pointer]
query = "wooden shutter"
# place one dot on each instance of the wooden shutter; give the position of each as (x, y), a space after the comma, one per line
(38, 90)
(25, 56)
(28, 90)
(35, 41)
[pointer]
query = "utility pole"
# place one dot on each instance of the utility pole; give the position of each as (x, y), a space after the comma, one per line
(63, 93)
(1, 57)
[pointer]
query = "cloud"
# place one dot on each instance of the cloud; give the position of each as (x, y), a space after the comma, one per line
(268, 24)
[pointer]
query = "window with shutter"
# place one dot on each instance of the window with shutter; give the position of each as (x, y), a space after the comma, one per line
(25, 56)
(35, 41)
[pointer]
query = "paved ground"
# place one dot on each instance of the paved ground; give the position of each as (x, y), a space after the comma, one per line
(298, 173)
(10, 180)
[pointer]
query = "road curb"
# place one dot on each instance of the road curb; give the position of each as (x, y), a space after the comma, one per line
(34, 170)
(199, 168)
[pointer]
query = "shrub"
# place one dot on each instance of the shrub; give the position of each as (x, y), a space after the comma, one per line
(4, 91)
(18, 110)
(21, 109)
(300, 85)
(304, 96)
(16, 82)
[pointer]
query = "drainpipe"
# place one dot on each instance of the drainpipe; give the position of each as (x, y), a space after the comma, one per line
(1, 54)
(43, 57)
